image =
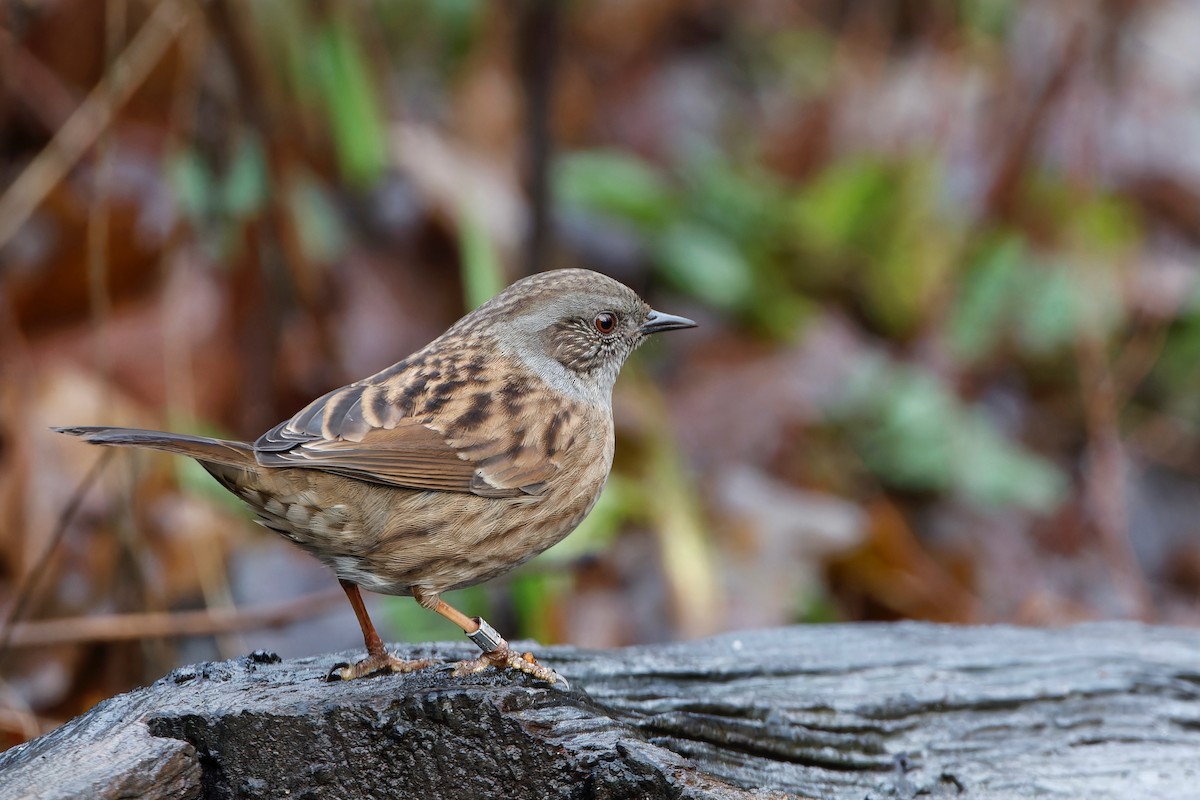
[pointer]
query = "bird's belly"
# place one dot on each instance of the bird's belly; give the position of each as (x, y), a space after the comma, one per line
(513, 544)
(466, 539)
(389, 540)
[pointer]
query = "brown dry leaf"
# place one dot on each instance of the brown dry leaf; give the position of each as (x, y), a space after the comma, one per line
(896, 575)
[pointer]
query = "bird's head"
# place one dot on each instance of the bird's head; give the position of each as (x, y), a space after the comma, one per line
(574, 327)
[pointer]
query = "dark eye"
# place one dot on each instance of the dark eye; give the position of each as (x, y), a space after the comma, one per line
(606, 322)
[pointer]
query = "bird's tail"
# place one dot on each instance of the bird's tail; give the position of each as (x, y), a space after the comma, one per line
(201, 448)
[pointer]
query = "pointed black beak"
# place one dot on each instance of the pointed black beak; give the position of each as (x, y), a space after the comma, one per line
(657, 322)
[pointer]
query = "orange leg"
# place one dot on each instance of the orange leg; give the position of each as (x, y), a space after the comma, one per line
(370, 636)
(378, 658)
(496, 652)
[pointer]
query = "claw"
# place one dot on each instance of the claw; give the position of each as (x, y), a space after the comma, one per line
(505, 657)
(374, 665)
(335, 672)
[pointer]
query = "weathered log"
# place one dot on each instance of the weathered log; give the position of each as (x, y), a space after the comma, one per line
(839, 711)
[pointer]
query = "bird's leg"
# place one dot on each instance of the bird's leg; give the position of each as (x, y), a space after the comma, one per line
(496, 652)
(378, 658)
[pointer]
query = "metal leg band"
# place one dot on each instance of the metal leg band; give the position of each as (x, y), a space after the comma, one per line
(486, 637)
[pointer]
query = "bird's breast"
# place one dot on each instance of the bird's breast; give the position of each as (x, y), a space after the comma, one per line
(494, 535)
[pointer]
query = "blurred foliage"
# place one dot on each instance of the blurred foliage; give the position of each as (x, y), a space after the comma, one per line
(872, 224)
(434, 36)
(916, 434)
(348, 95)
(219, 202)
(1174, 380)
(988, 19)
(482, 273)
(618, 184)
(869, 228)
(318, 222)
(715, 232)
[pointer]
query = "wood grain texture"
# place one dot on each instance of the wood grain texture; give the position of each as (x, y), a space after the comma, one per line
(840, 711)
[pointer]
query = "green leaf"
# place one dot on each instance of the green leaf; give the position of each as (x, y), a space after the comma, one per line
(842, 209)
(782, 313)
(908, 442)
(914, 433)
(534, 596)
(744, 202)
(707, 265)
(989, 290)
(244, 188)
(1049, 318)
(993, 472)
(192, 184)
(350, 97)
(482, 275)
(317, 222)
(614, 183)
(1174, 373)
(990, 18)
(1106, 224)
(437, 35)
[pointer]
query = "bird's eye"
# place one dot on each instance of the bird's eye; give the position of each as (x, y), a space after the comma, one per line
(606, 322)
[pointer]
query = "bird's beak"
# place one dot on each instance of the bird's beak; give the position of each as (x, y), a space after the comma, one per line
(657, 322)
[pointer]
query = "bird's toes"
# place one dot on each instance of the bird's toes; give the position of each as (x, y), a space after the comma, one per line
(505, 658)
(469, 667)
(528, 664)
(375, 665)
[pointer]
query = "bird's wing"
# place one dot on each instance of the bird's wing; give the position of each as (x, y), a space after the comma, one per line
(488, 443)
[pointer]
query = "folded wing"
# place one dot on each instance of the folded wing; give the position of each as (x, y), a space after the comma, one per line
(432, 439)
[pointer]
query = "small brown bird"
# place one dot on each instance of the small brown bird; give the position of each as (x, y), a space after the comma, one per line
(451, 467)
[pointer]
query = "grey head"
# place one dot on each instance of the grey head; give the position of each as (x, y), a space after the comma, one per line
(573, 327)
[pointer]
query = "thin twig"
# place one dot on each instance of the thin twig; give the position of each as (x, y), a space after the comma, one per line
(93, 116)
(48, 99)
(279, 248)
(25, 594)
(27, 726)
(160, 624)
(17, 715)
(1105, 480)
(1022, 135)
(99, 301)
(537, 47)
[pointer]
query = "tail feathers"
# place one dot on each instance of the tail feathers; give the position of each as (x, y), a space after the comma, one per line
(201, 448)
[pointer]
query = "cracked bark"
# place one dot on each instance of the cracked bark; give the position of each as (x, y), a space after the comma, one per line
(840, 711)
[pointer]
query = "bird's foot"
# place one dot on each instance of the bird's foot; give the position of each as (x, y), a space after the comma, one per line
(375, 664)
(497, 653)
(504, 657)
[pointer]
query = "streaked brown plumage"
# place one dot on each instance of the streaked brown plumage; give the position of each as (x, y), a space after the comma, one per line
(453, 466)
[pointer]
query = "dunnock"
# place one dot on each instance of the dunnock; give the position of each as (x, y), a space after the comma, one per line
(451, 467)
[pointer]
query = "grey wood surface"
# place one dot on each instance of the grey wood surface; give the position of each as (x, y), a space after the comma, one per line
(839, 711)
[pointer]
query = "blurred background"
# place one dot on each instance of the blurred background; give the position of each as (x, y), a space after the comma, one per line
(943, 254)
